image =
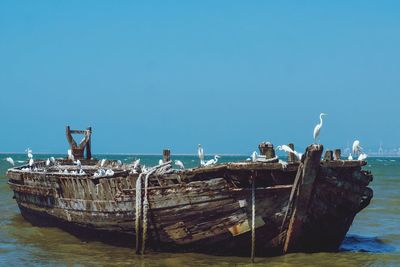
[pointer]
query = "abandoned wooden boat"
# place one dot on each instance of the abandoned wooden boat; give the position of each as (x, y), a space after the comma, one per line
(266, 208)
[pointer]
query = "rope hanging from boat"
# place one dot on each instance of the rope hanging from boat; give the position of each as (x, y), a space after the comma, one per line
(253, 217)
(138, 209)
(142, 208)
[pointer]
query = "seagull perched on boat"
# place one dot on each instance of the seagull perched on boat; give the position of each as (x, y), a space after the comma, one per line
(70, 155)
(160, 162)
(52, 160)
(48, 162)
(102, 162)
(200, 152)
(318, 127)
(29, 153)
(10, 160)
(350, 157)
(31, 162)
(287, 149)
(136, 163)
(254, 156)
(356, 149)
(179, 164)
(109, 172)
(212, 161)
(362, 156)
(78, 163)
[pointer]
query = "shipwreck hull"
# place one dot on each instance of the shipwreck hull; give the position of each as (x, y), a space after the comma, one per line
(204, 209)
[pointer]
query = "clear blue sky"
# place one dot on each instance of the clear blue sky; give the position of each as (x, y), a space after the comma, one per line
(228, 74)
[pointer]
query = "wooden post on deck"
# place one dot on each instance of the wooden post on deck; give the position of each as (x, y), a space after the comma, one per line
(291, 156)
(89, 144)
(328, 155)
(267, 149)
(337, 154)
(301, 192)
(166, 155)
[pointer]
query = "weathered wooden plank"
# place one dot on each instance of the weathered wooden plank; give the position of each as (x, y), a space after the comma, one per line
(309, 174)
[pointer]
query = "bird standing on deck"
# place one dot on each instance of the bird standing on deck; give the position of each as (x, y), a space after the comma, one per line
(318, 127)
(70, 155)
(287, 149)
(212, 161)
(179, 164)
(200, 152)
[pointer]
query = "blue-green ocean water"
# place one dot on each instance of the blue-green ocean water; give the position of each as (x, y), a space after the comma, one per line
(373, 240)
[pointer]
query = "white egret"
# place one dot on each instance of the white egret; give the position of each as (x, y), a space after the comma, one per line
(102, 162)
(29, 153)
(109, 172)
(31, 162)
(200, 152)
(254, 156)
(362, 156)
(136, 163)
(179, 164)
(318, 127)
(70, 155)
(356, 147)
(78, 163)
(160, 162)
(350, 157)
(287, 149)
(212, 161)
(48, 162)
(52, 160)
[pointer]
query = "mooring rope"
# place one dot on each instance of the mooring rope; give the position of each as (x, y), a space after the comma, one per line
(138, 209)
(253, 218)
(162, 168)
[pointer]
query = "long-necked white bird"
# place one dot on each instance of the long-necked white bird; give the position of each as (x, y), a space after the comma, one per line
(136, 163)
(200, 152)
(318, 127)
(212, 161)
(287, 149)
(254, 156)
(70, 155)
(356, 149)
(29, 153)
(179, 164)
(10, 160)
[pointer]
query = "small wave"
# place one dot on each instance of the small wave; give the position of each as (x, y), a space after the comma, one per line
(358, 243)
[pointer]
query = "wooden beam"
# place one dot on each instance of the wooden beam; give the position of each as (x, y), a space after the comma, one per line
(303, 194)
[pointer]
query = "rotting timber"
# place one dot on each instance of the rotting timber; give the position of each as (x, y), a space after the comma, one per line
(305, 205)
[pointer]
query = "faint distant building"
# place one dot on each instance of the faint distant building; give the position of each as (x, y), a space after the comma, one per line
(380, 150)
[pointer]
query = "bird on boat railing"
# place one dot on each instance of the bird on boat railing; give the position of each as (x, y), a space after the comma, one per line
(160, 161)
(287, 149)
(47, 162)
(212, 161)
(317, 128)
(29, 153)
(200, 153)
(10, 160)
(362, 156)
(179, 164)
(70, 155)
